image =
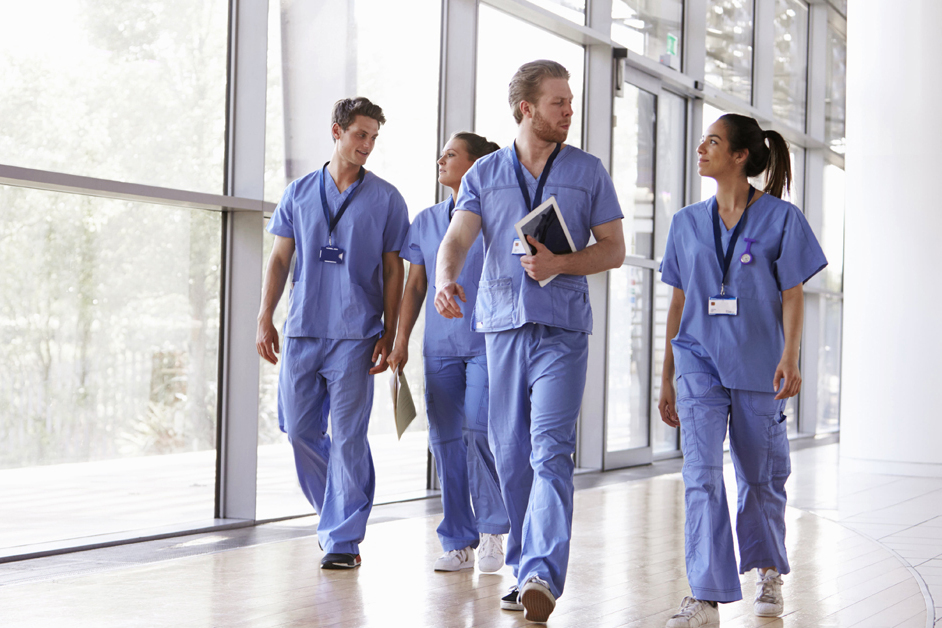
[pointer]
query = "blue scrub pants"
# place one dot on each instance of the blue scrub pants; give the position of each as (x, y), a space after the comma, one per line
(456, 396)
(537, 377)
(320, 375)
(759, 449)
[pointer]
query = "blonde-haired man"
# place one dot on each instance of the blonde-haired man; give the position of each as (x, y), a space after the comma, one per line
(536, 337)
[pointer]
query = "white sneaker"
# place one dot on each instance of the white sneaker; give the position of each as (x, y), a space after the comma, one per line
(694, 613)
(491, 552)
(455, 560)
(769, 601)
(537, 599)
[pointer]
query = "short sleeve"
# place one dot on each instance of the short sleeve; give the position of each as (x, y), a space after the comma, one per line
(670, 265)
(282, 220)
(397, 223)
(411, 250)
(800, 256)
(469, 193)
(605, 205)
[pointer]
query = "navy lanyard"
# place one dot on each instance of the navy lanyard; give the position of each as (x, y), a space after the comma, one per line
(332, 222)
(726, 259)
(451, 208)
(539, 187)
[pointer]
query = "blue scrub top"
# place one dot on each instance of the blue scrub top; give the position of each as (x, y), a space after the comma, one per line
(339, 301)
(507, 297)
(445, 337)
(742, 350)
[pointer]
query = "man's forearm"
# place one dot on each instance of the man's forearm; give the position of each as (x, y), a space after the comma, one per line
(275, 279)
(451, 258)
(601, 256)
(392, 294)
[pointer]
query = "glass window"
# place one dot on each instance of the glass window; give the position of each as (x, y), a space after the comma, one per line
(729, 46)
(829, 365)
(652, 28)
(573, 10)
(367, 55)
(626, 399)
(832, 231)
(671, 166)
(109, 329)
(633, 166)
(790, 75)
(836, 90)
(840, 5)
(116, 90)
(496, 65)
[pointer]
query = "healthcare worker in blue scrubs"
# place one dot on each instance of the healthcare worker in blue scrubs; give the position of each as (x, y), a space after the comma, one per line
(536, 337)
(737, 263)
(346, 226)
(455, 380)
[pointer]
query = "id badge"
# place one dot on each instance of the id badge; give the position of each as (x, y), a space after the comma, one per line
(518, 248)
(332, 254)
(721, 305)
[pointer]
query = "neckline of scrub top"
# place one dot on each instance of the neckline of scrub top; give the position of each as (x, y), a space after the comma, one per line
(518, 170)
(332, 222)
(726, 259)
(451, 208)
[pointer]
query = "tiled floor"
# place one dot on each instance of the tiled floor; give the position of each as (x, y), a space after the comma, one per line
(862, 547)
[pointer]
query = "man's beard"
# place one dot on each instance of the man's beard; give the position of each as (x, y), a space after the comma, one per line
(546, 132)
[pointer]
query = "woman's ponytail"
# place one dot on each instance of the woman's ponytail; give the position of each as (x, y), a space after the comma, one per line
(743, 133)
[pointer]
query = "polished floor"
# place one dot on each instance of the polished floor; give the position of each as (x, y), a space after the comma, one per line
(866, 551)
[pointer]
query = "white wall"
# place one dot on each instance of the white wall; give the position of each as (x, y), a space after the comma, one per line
(892, 363)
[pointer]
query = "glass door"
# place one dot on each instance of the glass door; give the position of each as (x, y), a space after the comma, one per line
(648, 170)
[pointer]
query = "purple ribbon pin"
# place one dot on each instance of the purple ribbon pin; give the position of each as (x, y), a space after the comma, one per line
(747, 256)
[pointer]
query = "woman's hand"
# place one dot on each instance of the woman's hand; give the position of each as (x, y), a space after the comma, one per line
(667, 406)
(399, 357)
(786, 370)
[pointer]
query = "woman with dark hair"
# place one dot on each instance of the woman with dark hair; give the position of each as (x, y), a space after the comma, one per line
(737, 263)
(456, 390)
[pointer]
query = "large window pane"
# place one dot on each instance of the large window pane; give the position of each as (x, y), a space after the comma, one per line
(652, 28)
(133, 91)
(790, 77)
(570, 9)
(832, 231)
(836, 90)
(729, 46)
(364, 54)
(519, 43)
(829, 365)
(633, 158)
(109, 328)
(629, 351)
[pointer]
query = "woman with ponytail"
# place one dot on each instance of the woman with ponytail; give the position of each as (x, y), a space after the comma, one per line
(737, 263)
(456, 389)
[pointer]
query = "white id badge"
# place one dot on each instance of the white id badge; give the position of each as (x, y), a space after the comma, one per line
(518, 248)
(722, 306)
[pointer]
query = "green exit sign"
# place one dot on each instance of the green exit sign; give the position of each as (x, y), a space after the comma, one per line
(671, 44)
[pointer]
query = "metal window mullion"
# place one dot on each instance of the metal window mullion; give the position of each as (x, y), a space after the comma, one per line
(597, 125)
(245, 169)
(763, 56)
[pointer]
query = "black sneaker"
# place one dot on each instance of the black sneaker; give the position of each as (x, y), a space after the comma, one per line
(340, 561)
(511, 601)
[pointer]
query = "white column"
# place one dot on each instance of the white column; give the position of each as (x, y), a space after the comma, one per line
(892, 303)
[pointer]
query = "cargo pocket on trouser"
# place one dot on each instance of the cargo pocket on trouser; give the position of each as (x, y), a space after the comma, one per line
(690, 387)
(780, 463)
(494, 308)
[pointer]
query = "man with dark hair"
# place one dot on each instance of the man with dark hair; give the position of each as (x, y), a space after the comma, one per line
(347, 226)
(536, 337)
